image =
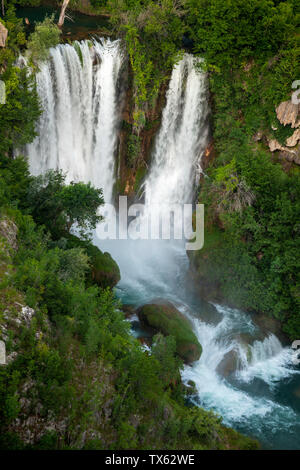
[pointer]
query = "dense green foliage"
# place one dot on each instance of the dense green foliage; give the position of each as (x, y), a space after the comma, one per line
(21, 110)
(76, 377)
(45, 35)
(153, 33)
(76, 364)
(228, 32)
(59, 207)
(252, 239)
(75, 361)
(168, 320)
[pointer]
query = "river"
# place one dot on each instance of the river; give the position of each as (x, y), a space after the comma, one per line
(81, 91)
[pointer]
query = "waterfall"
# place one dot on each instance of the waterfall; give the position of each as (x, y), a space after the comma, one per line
(148, 267)
(182, 138)
(78, 89)
(267, 360)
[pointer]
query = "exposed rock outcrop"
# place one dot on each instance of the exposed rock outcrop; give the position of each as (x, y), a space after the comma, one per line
(290, 152)
(9, 230)
(275, 145)
(269, 325)
(293, 140)
(131, 173)
(287, 114)
(229, 364)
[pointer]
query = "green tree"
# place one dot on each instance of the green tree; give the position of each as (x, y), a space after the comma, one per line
(164, 350)
(45, 35)
(59, 206)
(226, 31)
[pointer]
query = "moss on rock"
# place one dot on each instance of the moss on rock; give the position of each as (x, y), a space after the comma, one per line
(169, 321)
(104, 270)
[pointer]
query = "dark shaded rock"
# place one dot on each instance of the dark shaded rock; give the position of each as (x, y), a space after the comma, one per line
(269, 325)
(229, 364)
(208, 313)
(129, 310)
(145, 341)
(296, 392)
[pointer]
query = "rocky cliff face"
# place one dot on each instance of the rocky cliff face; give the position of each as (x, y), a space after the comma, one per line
(133, 163)
(3, 35)
(15, 314)
(288, 114)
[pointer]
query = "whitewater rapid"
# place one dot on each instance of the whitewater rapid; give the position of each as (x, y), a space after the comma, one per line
(79, 88)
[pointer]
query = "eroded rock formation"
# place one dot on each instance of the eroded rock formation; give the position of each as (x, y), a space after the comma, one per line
(287, 114)
(3, 35)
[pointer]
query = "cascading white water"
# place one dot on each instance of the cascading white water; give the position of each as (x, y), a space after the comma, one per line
(157, 268)
(174, 170)
(265, 359)
(78, 88)
(181, 139)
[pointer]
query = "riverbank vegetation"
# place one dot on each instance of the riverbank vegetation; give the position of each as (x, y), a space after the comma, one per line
(252, 198)
(75, 377)
(251, 51)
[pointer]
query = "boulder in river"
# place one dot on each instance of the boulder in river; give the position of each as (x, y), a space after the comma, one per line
(165, 318)
(268, 324)
(229, 364)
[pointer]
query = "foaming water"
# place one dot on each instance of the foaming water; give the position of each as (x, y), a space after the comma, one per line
(79, 90)
(248, 398)
(268, 361)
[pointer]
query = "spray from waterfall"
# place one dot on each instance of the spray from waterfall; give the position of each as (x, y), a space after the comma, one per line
(176, 162)
(78, 88)
(175, 167)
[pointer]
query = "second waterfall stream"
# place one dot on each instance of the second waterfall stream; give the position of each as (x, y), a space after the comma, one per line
(80, 88)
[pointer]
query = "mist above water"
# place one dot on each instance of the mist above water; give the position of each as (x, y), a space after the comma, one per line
(79, 91)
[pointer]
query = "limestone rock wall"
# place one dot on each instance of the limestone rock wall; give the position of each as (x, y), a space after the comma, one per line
(3, 35)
